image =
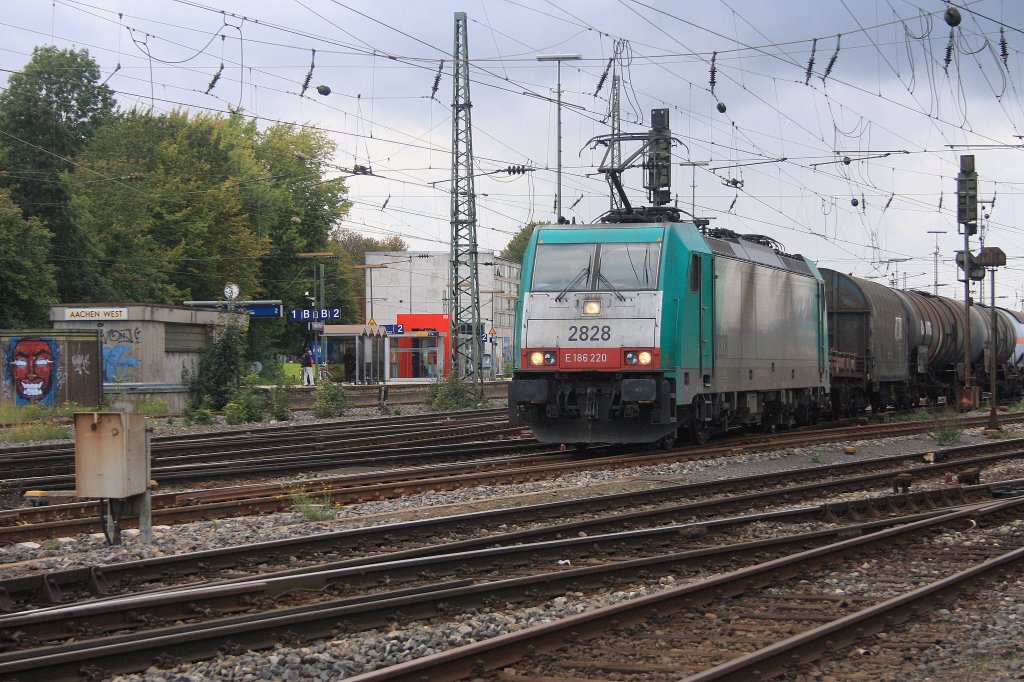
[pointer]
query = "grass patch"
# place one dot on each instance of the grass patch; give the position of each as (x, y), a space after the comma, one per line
(311, 507)
(918, 415)
(39, 430)
(948, 429)
(153, 407)
(292, 373)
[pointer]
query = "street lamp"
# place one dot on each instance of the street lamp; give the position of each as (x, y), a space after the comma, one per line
(559, 58)
(371, 268)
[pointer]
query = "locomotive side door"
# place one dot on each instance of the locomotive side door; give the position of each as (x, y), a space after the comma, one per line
(704, 277)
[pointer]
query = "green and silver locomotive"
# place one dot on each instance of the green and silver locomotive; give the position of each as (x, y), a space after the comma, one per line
(646, 332)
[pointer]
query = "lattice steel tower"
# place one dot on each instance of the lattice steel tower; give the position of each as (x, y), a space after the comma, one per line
(616, 115)
(463, 280)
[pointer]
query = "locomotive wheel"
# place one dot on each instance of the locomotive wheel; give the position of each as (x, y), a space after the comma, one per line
(667, 442)
(699, 434)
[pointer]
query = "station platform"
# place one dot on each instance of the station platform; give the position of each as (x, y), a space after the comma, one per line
(399, 393)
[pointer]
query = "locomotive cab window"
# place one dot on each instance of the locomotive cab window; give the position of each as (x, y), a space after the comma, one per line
(616, 266)
(558, 267)
(628, 266)
(694, 272)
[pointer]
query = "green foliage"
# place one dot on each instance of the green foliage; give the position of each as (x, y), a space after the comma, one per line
(450, 394)
(1017, 406)
(919, 415)
(247, 404)
(221, 368)
(330, 399)
(313, 509)
(153, 407)
(49, 111)
(29, 284)
(198, 415)
(277, 403)
(516, 247)
(948, 428)
(38, 430)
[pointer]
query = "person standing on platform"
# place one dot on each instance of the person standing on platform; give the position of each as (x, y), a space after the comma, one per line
(308, 378)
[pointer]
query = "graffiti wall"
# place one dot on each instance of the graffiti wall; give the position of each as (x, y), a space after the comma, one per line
(121, 346)
(51, 368)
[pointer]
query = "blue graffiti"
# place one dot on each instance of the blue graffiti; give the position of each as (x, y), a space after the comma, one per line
(117, 361)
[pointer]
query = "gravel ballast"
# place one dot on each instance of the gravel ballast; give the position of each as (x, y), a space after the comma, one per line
(981, 641)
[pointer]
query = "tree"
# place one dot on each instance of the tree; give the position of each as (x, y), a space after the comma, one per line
(348, 282)
(165, 207)
(28, 285)
(516, 247)
(48, 113)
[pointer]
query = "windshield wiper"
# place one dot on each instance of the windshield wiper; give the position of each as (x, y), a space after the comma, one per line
(583, 274)
(615, 289)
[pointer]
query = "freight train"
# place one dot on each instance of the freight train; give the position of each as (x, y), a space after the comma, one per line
(648, 332)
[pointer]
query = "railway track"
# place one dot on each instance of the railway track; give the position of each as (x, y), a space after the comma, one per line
(506, 468)
(430, 584)
(584, 514)
(757, 622)
(265, 449)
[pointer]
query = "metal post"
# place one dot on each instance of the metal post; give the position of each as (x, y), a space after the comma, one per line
(559, 58)
(966, 168)
(993, 421)
(935, 261)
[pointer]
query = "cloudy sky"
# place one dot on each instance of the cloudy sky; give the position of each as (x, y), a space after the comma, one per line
(892, 88)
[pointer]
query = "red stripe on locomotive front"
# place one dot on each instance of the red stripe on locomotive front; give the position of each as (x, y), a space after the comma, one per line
(583, 359)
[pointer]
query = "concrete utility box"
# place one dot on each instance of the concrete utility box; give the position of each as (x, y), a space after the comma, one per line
(111, 455)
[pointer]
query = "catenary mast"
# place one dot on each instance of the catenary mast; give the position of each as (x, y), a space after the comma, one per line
(463, 279)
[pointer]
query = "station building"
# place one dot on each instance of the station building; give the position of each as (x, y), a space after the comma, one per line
(407, 294)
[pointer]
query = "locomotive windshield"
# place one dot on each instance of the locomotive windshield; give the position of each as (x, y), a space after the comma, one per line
(630, 267)
(620, 266)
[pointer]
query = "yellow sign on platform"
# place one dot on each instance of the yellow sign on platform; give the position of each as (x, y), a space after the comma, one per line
(372, 323)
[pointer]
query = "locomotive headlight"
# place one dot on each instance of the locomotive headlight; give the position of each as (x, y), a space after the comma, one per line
(539, 358)
(638, 357)
(591, 307)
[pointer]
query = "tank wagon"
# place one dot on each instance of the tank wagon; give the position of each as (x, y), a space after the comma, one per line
(893, 347)
(645, 332)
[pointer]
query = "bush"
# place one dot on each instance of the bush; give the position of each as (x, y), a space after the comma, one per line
(247, 403)
(198, 415)
(330, 400)
(277, 403)
(450, 394)
(221, 368)
(948, 428)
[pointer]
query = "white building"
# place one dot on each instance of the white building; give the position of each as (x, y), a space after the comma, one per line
(416, 282)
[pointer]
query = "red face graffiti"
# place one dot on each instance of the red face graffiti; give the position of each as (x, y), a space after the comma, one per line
(32, 368)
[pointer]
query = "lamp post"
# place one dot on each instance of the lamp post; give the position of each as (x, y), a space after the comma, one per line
(370, 267)
(559, 58)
